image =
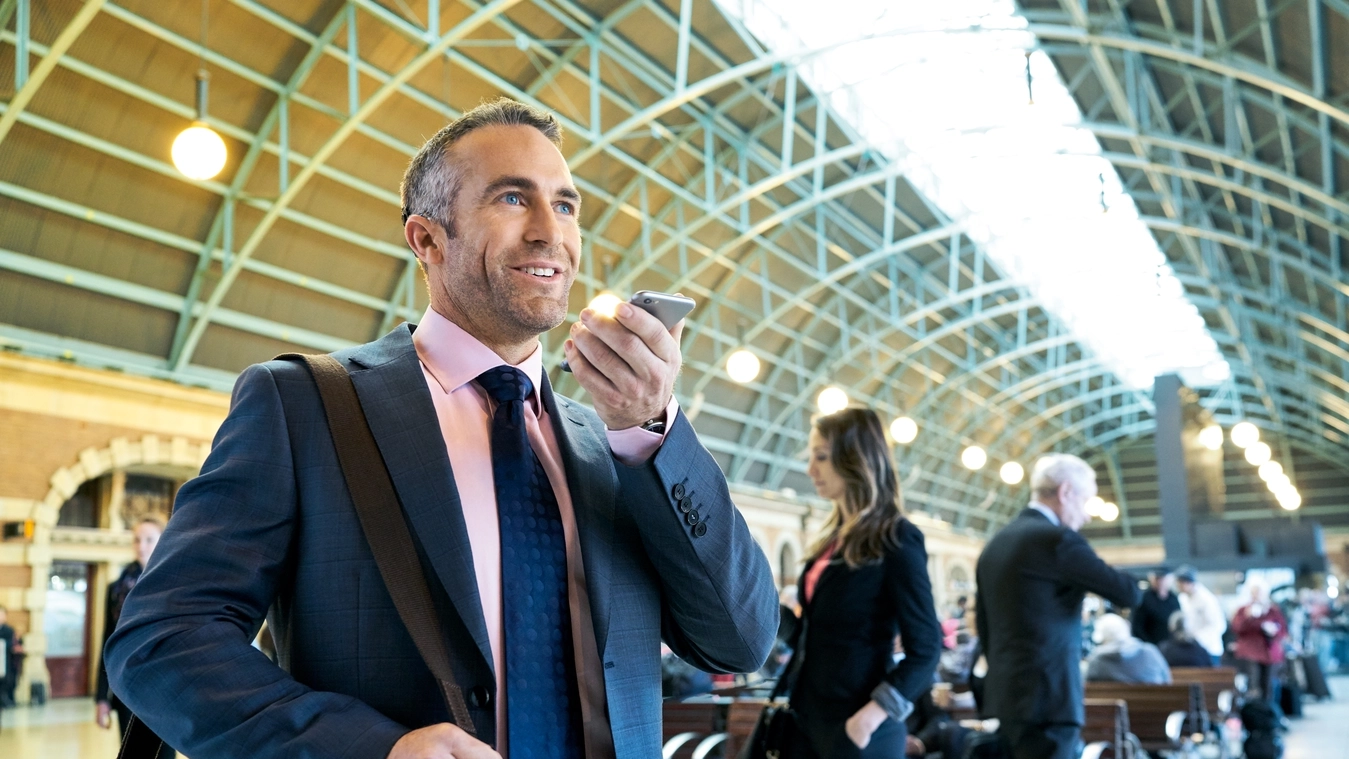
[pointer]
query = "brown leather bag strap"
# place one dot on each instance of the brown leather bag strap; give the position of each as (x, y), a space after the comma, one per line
(382, 521)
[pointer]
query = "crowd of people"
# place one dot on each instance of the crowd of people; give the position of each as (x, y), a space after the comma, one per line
(871, 672)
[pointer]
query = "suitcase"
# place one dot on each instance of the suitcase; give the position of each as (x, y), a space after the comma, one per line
(1317, 687)
(1290, 697)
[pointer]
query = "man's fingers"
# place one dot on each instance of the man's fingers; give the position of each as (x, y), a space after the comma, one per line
(649, 329)
(593, 380)
(604, 355)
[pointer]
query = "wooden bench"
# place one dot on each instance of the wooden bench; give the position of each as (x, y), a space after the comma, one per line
(1106, 729)
(694, 730)
(684, 724)
(1159, 715)
(741, 718)
(1214, 681)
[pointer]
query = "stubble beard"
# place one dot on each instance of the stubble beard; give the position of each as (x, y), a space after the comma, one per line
(504, 310)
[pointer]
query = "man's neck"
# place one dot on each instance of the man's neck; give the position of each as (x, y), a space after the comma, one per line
(511, 351)
(1041, 506)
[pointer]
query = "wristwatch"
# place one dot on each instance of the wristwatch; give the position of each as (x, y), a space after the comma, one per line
(656, 425)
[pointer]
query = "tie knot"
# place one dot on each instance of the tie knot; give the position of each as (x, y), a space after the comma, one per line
(505, 384)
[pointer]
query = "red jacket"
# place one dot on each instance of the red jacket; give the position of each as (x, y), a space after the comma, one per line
(1253, 643)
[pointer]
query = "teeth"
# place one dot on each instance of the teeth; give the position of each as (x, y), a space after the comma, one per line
(539, 272)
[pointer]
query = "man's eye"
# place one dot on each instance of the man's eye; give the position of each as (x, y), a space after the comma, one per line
(566, 208)
(513, 198)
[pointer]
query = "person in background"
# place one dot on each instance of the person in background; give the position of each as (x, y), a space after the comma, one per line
(865, 583)
(8, 647)
(679, 679)
(1152, 617)
(1204, 616)
(146, 534)
(1119, 657)
(1032, 578)
(1261, 629)
(1182, 650)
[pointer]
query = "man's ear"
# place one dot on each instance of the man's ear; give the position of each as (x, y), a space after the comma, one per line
(1065, 489)
(425, 238)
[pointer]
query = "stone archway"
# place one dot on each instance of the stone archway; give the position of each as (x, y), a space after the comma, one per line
(120, 454)
(151, 450)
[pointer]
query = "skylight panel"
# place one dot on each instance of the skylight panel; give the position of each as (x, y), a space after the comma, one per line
(942, 88)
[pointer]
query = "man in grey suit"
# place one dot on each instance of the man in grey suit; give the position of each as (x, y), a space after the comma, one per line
(654, 549)
(1032, 577)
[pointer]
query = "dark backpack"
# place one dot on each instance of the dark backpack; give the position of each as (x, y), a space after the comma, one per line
(1262, 734)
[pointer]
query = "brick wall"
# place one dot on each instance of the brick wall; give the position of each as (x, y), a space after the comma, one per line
(34, 446)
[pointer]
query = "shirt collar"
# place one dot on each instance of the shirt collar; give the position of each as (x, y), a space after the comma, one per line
(455, 358)
(1050, 515)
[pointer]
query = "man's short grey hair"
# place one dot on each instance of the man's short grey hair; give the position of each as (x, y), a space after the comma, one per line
(431, 183)
(1057, 468)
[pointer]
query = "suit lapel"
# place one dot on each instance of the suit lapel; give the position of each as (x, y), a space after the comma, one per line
(393, 393)
(590, 480)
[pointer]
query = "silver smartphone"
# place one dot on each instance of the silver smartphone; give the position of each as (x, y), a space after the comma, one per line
(664, 306)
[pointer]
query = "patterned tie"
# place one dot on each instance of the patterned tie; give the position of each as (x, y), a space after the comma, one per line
(542, 702)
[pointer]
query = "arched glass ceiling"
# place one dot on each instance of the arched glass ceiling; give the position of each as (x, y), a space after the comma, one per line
(999, 145)
(710, 166)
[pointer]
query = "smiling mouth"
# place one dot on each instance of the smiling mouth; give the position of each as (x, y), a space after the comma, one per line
(539, 272)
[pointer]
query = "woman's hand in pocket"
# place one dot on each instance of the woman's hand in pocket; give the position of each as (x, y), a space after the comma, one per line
(862, 724)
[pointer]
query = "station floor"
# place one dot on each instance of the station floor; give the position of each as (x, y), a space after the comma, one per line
(65, 729)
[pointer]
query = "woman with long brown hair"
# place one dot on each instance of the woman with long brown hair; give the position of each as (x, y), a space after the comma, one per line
(865, 583)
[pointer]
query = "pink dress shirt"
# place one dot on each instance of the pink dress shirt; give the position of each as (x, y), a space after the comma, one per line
(451, 359)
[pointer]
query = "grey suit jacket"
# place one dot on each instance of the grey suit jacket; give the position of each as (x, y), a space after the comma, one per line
(268, 530)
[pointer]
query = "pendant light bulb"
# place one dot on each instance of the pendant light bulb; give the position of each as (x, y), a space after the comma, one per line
(743, 366)
(198, 151)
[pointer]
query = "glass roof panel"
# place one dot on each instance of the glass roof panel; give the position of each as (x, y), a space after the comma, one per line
(943, 87)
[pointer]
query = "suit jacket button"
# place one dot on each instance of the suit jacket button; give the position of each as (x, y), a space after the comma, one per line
(479, 697)
(686, 505)
(678, 491)
(700, 530)
(692, 517)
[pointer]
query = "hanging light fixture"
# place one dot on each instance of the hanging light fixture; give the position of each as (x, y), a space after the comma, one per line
(1270, 469)
(742, 366)
(1278, 482)
(904, 430)
(1012, 473)
(1211, 437)
(974, 457)
(1245, 434)
(831, 399)
(1289, 499)
(198, 151)
(1258, 453)
(1095, 506)
(1109, 511)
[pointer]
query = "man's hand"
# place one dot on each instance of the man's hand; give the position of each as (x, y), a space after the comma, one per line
(914, 747)
(443, 741)
(103, 716)
(862, 724)
(628, 364)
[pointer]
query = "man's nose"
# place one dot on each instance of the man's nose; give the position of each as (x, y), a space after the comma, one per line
(543, 227)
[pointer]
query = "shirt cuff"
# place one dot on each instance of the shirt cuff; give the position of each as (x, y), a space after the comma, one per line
(635, 446)
(892, 701)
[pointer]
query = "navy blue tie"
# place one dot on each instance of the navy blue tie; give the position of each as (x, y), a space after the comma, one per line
(542, 702)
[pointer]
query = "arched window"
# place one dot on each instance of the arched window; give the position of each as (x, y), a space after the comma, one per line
(787, 565)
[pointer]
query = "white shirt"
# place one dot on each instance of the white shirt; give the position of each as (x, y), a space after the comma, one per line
(1204, 618)
(1050, 515)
